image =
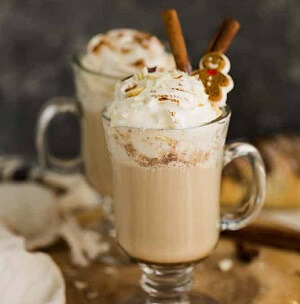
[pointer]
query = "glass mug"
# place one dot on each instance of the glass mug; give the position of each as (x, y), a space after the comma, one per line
(167, 200)
(93, 91)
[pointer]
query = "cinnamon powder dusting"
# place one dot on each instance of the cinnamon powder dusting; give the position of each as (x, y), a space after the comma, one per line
(102, 43)
(125, 50)
(172, 113)
(143, 39)
(140, 63)
(181, 90)
(146, 161)
(97, 47)
(166, 158)
(167, 98)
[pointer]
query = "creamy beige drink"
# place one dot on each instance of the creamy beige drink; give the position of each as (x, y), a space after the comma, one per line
(97, 163)
(167, 161)
(187, 197)
(109, 58)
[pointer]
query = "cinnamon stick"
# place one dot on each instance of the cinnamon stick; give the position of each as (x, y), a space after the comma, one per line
(269, 236)
(176, 39)
(246, 252)
(224, 36)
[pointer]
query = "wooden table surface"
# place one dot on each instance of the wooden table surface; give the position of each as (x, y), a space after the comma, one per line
(271, 278)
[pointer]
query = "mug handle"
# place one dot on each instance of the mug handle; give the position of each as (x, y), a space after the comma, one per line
(53, 107)
(248, 211)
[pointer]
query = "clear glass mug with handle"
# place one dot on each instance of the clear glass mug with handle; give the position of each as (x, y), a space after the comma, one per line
(167, 200)
(93, 91)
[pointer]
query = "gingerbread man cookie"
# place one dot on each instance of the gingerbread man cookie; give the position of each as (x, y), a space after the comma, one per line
(213, 71)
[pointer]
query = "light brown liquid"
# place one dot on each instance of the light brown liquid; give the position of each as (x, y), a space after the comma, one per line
(97, 162)
(94, 92)
(167, 215)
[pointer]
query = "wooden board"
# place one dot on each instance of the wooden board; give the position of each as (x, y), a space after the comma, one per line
(272, 278)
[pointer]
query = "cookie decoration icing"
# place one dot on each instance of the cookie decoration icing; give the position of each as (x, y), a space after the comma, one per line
(213, 72)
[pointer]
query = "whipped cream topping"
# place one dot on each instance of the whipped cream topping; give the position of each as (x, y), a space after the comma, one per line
(123, 52)
(161, 100)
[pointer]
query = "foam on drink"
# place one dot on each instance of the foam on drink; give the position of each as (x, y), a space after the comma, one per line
(161, 100)
(123, 52)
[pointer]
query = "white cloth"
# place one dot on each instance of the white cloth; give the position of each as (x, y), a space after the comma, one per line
(27, 278)
(34, 212)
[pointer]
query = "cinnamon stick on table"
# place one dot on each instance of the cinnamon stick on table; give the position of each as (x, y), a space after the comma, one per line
(284, 238)
(176, 39)
(224, 36)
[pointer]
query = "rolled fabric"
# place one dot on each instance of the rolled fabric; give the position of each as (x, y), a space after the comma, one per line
(44, 285)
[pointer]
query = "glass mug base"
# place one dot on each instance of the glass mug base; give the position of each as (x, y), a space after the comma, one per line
(168, 285)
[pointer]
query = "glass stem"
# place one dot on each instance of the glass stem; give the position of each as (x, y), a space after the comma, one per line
(167, 284)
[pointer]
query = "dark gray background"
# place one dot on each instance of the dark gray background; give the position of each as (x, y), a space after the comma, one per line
(37, 38)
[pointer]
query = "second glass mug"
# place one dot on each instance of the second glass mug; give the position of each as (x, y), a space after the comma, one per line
(167, 201)
(93, 91)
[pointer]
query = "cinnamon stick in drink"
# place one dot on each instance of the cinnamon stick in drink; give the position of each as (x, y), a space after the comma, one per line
(224, 36)
(176, 39)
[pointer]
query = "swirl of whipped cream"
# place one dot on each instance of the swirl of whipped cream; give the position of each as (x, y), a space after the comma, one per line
(161, 100)
(123, 52)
